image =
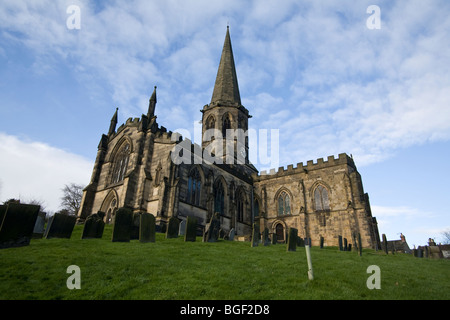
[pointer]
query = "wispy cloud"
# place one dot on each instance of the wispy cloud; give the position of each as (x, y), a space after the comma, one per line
(35, 170)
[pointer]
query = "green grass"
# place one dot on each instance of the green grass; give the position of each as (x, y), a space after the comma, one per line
(174, 269)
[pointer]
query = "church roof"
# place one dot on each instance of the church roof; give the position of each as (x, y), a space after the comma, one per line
(226, 89)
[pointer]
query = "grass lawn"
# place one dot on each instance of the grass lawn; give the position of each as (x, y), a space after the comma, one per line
(173, 269)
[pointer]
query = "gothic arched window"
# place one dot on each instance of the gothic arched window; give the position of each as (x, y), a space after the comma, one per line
(210, 123)
(194, 187)
(284, 204)
(321, 198)
(240, 206)
(121, 163)
(226, 125)
(219, 198)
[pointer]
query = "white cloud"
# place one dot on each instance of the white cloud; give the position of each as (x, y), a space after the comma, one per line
(35, 170)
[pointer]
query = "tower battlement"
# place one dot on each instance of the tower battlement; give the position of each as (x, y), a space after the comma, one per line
(343, 159)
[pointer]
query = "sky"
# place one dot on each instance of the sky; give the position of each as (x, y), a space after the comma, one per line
(323, 73)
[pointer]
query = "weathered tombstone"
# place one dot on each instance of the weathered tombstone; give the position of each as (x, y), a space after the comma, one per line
(256, 236)
(122, 225)
(301, 242)
(173, 228)
(321, 242)
(147, 228)
(359, 244)
(134, 235)
(385, 246)
(211, 233)
(349, 247)
(341, 248)
(345, 244)
(231, 235)
(16, 227)
(265, 237)
(292, 239)
(274, 238)
(94, 226)
(190, 233)
(182, 228)
(60, 226)
(39, 226)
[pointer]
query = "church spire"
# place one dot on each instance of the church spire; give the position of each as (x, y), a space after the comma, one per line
(112, 126)
(226, 89)
(152, 104)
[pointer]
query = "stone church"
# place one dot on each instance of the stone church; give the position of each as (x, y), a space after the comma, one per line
(138, 166)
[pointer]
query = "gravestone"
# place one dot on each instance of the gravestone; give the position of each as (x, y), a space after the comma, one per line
(39, 226)
(122, 225)
(173, 228)
(292, 239)
(211, 233)
(231, 234)
(359, 244)
(349, 247)
(182, 228)
(134, 235)
(345, 244)
(147, 228)
(94, 226)
(60, 226)
(265, 237)
(190, 233)
(301, 242)
(256, 236)
(385, 246)
(274, 238)
(321, 242)
(16, 227)
(341, 248)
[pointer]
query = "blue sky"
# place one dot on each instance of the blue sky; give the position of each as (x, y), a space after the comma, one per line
(311, 69)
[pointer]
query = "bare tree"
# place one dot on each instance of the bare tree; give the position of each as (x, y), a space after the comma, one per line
(446, 236)
(71, 199)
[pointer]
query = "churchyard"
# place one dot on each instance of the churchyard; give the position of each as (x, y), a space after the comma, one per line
(111, 263)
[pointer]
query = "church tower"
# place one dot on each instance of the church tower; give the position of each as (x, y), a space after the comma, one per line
(225, 111)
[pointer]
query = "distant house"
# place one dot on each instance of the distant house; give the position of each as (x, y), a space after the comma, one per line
(400, 246)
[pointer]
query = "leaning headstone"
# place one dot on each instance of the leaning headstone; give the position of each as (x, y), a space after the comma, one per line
(341, 248)
(292, 239)
(94, 226)
(39, 226)
(122, 225)
(256, 236)
(211, 233)
(385, 246)
(182, 228)
(16, 227)
(173, 228)
(190, 233)
(147, 228)
(60, 226)
(231, 234)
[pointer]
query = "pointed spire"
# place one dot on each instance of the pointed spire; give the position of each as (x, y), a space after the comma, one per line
(152, 104)
(226, 89)
(112, 127)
